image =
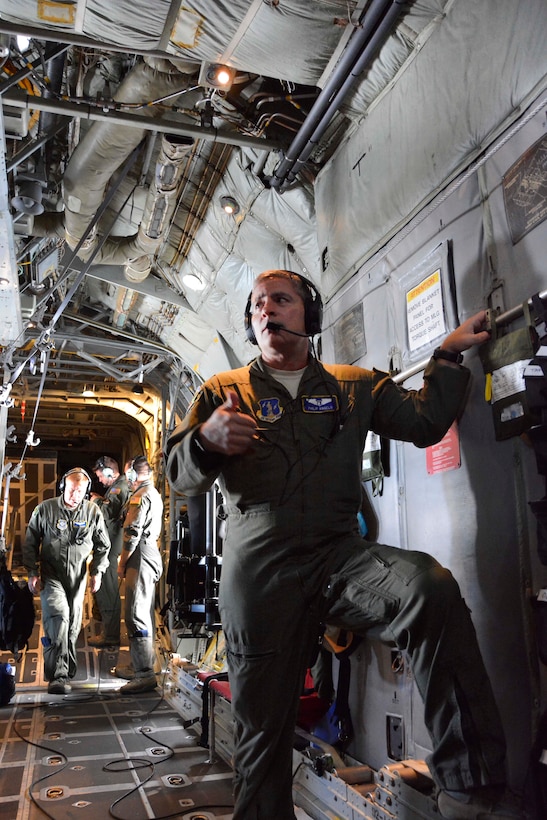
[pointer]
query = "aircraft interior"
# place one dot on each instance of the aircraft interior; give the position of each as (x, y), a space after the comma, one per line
(155, 158)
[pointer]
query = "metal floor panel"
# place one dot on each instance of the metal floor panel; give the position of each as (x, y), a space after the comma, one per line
(83, 755)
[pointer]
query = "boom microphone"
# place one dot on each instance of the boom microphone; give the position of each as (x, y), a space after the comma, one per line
(275, 326)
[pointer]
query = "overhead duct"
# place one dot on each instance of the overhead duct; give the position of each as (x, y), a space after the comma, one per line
(101, 152)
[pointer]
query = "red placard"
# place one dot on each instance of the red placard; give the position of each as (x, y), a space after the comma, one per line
(445, 455)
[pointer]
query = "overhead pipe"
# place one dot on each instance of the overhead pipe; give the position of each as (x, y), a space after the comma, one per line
(363, 44)
(48, 122)
(95, 113)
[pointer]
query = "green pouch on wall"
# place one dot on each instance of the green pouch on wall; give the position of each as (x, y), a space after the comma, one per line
(504, 359)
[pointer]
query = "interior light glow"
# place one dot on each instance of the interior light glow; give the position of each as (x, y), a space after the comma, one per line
(192, 281)
(229, 205)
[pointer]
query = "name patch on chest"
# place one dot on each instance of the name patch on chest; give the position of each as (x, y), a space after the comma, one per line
(319, 404)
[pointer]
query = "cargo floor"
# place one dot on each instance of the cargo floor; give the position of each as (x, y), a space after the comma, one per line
(84, 754)
(95, 753)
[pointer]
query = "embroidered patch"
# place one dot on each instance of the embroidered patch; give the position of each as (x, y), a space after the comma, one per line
(135, 500)
(115, 491)
(62, 525)
(80, 523)
(319, 404)
(270, 410)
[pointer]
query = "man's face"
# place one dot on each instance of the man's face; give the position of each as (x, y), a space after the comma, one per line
(106, 481)
(75, 490)
(276, 299)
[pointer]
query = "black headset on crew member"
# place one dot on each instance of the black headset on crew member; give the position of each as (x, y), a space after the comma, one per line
(313, 312)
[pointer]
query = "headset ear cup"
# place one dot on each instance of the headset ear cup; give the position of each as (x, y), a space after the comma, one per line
(313, 307)
(249, 332)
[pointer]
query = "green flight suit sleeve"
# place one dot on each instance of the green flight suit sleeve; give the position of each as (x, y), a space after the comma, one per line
(101, 541)
(422, 416)
(191, 470)
(31, 545)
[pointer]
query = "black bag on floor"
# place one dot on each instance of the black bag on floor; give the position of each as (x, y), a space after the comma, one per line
(7, 683)
(16, 613)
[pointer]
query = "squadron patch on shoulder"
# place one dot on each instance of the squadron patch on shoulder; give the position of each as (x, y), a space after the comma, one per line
(319, 404)
(270, 410)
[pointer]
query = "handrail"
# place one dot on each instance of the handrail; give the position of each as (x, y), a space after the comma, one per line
(501, 320)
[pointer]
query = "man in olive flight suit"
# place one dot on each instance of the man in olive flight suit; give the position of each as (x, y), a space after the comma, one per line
(141, 566)
(284, 437)
(61, 535)
(112, 504)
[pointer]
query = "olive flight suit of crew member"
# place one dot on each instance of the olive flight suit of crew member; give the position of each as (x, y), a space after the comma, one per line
(293, 557)
(112, 505)
(61, 535)
(141, 565)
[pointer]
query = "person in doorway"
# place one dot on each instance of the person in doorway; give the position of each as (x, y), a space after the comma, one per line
(112, 505)
(141, 566)
(62, 534)
(284, 437)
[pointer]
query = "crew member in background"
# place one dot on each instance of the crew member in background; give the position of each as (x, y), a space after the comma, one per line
(61, 535)
(284, 436)
(113, 505)
(141, 566)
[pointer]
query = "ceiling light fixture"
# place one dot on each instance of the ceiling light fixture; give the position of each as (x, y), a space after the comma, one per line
(88, 391)
(229, 205)
(192, 281)
(216, 75)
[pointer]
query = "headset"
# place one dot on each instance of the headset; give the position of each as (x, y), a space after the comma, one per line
(131, 474)
(313, 309)
(75, 470)
(100, 464)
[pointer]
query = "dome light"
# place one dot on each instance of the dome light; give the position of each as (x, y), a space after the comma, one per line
(192, 281)
(229, 205)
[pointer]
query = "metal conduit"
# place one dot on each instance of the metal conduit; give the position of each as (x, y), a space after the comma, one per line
(167, 126)
(370, 49)
(377, 21)
(501, 320)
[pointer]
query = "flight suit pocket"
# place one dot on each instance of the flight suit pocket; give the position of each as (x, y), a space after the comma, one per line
(361, 593)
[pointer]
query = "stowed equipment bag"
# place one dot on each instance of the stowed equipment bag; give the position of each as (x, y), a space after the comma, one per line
(7, 683)
(504, 360)
(16, 612)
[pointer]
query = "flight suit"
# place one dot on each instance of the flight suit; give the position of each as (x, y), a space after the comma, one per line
(112, 505)
(293, 558)
(57, 546)
(141, 531)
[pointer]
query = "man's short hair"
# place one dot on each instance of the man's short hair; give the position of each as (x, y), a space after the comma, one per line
(141, 465)
(280, 273)
(106, 461)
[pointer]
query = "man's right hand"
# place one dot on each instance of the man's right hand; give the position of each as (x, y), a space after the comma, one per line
(35, 584)
(228, 431)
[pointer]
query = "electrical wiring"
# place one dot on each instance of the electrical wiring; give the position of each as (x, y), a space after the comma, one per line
(123, 764)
